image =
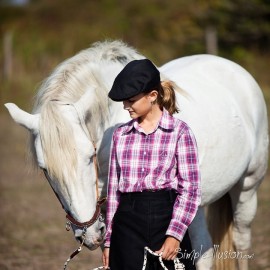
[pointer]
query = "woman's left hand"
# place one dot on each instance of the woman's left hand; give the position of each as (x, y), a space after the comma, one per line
(170, 248)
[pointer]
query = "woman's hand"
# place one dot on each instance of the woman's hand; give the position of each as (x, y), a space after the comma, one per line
(169, 248)
(105, 257)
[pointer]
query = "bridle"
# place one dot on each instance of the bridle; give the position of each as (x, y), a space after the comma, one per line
(97, 214)
(100, 201)
(70, 220)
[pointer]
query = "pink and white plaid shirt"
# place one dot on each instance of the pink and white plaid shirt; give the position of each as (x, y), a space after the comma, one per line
(164, 159)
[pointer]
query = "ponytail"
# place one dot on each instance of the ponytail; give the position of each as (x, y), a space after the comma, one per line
(166, 97)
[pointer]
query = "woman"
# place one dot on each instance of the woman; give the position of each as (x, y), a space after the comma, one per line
(154, 180)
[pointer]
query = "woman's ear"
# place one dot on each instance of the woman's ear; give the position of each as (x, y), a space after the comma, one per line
(153, 96)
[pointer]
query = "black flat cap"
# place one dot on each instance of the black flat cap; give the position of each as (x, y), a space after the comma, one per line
(138, 76)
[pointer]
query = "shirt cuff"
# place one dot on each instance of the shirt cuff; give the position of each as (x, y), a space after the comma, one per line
(177, 230)
(107, 243)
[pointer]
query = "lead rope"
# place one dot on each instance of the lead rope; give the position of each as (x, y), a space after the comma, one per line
(177, 264)
(77, 251)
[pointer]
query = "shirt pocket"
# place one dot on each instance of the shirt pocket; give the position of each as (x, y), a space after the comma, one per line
(166, 157)
(164, 162)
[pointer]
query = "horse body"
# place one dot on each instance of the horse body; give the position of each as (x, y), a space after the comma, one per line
(219, 100)
(225, 108)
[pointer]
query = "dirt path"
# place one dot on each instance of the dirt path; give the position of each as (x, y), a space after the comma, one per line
(32, 223)
(32, 232)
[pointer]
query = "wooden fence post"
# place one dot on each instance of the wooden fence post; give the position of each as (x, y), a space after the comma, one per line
(211, 40)
(8, 38)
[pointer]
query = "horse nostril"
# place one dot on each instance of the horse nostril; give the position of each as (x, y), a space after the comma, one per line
(79, 239)
(102, 230)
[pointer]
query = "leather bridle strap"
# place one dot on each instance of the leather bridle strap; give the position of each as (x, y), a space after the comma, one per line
(92, 220)
(96, 168)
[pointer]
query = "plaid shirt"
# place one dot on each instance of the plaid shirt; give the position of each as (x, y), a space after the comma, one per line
(164, 159)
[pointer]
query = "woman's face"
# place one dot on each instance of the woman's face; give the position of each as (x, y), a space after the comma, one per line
(139, 105)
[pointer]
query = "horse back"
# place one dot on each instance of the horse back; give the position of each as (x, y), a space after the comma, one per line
(225, 108)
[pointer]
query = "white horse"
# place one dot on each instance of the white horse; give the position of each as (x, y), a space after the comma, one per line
(219, 100)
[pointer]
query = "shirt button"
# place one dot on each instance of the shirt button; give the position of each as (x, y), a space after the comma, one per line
(142, 169)
(144, 152)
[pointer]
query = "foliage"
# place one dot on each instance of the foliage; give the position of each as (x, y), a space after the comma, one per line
(240, 22)
(45, 32)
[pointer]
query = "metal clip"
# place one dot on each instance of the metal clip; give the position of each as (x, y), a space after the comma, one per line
(84, 232)
(101, 218)
(68, 225)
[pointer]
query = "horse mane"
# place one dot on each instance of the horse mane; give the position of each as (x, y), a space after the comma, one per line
(67, 83)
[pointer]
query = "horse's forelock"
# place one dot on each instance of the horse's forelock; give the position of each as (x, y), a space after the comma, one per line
(57, 144)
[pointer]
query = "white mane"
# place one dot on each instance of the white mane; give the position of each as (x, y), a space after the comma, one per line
(67, 83)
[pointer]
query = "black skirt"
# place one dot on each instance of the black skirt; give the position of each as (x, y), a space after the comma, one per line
(142, 219)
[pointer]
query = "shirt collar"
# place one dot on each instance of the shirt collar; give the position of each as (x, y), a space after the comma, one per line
(166, 122)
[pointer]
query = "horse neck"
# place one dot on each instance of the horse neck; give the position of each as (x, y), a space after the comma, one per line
(116, 116)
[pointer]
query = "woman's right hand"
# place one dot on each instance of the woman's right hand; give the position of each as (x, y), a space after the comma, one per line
(105, 257)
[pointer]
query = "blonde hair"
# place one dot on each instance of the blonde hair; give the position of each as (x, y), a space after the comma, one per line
(166, 97)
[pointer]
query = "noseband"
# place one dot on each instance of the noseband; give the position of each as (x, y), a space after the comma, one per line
(89, 223)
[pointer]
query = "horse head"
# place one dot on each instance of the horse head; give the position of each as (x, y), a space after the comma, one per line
(69, 155)
(71, 129)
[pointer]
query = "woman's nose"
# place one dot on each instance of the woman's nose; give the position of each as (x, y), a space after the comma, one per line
(125, 105)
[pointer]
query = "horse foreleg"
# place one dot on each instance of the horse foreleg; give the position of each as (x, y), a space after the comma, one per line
(201, 241)
(244, 204)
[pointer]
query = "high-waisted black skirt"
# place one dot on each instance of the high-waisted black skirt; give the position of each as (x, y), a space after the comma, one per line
(142, 219)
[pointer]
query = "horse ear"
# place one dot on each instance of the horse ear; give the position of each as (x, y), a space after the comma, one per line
(27, 120)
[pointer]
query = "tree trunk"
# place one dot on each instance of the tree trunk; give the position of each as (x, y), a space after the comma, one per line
(211, 40)
(8, 36)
